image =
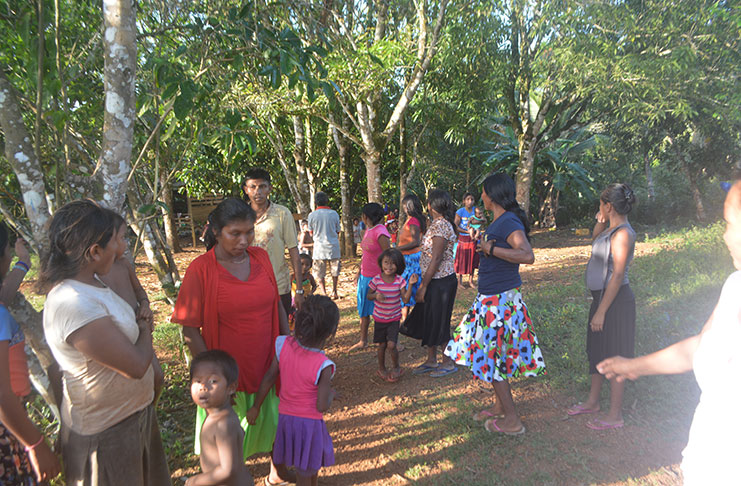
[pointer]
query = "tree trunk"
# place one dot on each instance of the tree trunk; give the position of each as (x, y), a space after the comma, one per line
(524, 177)
(120, 99)
(303, 205)
(25, 164)
(696, 194)
(343, 149)
(547, 213)
(649, 179)
(403, 161)
(168, 215)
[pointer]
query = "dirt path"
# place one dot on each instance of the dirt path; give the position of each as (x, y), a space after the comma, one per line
(419, 431)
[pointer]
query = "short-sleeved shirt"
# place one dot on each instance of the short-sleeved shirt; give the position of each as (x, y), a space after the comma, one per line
(710, 456)
(497, 275)
(372, 250)
(275, 232)
(324, 224)
(10, 331)
(465, 214)
(442, 228)
(390, 309)
(300, 369)
(95, 396)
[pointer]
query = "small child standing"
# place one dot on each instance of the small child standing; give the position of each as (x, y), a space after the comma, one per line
(388, 290)
(122, 279)
(213, 381)
(308, 284)
(302, 439)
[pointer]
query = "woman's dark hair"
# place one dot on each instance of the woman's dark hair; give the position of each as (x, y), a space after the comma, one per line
(316, 321)
(374, 212)
(73, 230)
(4, 243)
(4, 239)
(222, 359)
(229, 210)
(396, 257)
(439, 200)
(467, 194)
(621, 196)
(413, 207)
(501, 189)
(321, 199)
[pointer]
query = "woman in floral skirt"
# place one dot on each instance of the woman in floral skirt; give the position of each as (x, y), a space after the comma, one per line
(495, 338)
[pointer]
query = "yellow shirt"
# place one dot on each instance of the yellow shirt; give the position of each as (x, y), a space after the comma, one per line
(275, 232)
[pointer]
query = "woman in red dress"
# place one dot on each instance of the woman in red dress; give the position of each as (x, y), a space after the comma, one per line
(229, 300)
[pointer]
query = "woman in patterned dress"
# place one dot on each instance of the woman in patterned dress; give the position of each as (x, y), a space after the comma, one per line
(495, 338)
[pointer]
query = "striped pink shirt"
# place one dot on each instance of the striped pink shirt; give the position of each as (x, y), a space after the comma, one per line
(390, 309)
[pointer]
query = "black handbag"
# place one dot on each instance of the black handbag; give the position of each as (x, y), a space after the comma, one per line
(414, 324)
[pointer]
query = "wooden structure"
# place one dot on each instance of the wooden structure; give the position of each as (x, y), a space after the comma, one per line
(198, 211)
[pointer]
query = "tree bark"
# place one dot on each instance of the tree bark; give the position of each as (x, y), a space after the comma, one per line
(25, 164)
(303, 205)
(403, 161)
(168, 215)
(120, 99)
(343, 149)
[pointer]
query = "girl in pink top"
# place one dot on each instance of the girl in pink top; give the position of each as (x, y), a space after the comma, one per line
(375, 241)
(302, 439)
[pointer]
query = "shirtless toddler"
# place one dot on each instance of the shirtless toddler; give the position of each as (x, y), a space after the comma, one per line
(213, 381)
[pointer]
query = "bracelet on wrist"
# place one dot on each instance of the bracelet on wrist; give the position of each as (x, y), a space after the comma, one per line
(24, 265)
(20, 267)
(32, 447)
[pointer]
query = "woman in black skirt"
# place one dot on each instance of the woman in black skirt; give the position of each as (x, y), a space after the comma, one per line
(611, 329)
(430, 318)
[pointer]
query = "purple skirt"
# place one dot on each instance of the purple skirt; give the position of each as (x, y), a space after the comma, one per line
(303, 443)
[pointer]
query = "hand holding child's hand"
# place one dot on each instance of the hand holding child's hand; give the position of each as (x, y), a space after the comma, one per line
(145, 313)
(251, 415)
(21, 251)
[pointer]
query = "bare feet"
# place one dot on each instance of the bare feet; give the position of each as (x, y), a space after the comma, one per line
(358, 345)
(396, 373)
(335, 296)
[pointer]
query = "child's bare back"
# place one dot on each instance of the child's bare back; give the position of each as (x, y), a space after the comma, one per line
(221, 441)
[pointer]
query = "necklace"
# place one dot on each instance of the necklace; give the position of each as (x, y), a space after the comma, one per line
(237, 262)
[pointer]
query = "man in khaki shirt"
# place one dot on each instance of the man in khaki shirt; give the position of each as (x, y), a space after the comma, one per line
(275, 232)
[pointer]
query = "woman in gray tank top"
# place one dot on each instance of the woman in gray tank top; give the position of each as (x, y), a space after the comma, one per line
(611, 328)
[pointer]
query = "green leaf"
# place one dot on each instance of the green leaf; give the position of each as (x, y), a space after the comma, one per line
(376, 59)
(183, 105)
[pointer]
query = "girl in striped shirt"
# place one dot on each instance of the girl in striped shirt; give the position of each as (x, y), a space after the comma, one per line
(388, 289)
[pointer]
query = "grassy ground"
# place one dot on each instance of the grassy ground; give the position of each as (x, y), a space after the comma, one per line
(420, 432)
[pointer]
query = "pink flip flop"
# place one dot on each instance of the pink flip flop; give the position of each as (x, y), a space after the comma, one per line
(598, 424)
(578, 409)
(484, 414)
(493, 423)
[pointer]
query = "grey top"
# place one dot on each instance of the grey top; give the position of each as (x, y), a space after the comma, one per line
(324, 225)
(600, 266)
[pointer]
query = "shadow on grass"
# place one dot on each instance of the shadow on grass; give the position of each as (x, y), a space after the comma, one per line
(420, 431)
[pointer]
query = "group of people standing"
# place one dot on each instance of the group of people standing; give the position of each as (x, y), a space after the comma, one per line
(234, 304)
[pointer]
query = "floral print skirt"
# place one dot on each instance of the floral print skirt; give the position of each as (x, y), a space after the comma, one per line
(496, 339)
(15, 468)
